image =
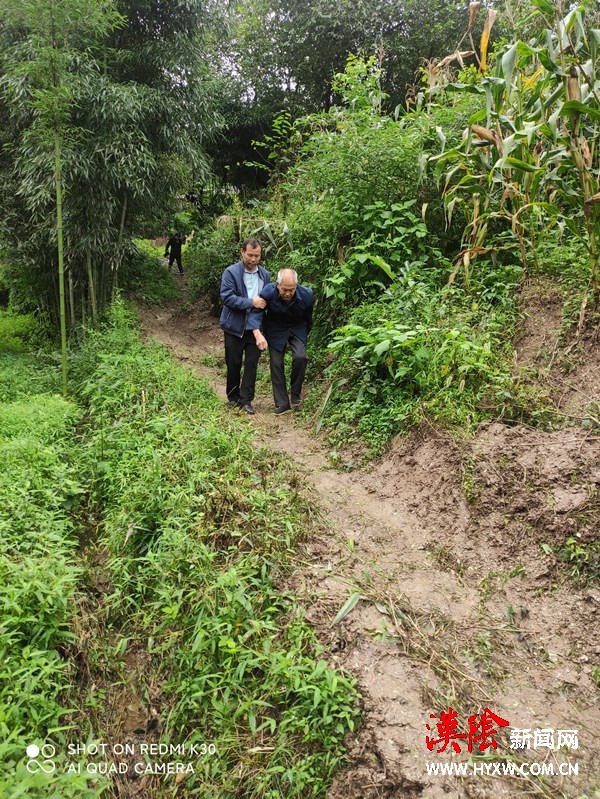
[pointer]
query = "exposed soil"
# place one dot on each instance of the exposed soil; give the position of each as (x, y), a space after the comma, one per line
(569, 372)
(463, 602)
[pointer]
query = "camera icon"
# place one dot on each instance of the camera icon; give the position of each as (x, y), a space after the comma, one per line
(45, 764)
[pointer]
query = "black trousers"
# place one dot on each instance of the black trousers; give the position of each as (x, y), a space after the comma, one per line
(240, 351)
(173, 257)
(299, 360)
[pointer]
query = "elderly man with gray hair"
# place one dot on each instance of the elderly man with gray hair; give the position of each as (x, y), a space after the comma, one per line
(287, 322)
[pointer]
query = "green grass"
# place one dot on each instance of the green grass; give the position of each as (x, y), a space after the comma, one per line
(16, 330)
(194, 531)
(199, 529)
(39, 484)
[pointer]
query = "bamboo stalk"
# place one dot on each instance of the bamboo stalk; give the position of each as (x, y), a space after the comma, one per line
(61, 260)
(71, 296)
(118, 256)
(91, 287)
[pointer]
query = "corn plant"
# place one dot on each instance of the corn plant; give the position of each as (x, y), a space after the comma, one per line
(529, 158)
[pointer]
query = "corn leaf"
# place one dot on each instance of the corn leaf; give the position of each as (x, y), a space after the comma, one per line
(575, 107)
(544, 6)
(485, 38)
(508, 66)
(518, 164)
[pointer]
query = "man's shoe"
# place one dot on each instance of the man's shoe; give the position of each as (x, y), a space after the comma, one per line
(282, 409)
(296, 401)
(248, 408)
(233, 403)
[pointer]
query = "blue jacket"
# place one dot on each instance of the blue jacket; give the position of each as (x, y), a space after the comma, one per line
(284, 319)
(237, 306)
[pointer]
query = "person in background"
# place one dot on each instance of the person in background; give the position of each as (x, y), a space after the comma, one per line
(287, 322)
(173, 250)
(240, 320)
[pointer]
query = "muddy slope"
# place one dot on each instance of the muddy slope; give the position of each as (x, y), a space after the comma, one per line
(447, 553)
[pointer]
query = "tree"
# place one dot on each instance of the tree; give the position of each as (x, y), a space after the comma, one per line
(283, 56)
(135, 108)
(43, 71)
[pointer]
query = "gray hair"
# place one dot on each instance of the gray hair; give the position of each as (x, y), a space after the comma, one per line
(281, 271)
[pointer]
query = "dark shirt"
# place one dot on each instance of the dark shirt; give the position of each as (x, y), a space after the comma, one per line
(174, 244)
(284, 319)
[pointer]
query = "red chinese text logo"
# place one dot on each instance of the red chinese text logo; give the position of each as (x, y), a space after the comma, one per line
(479, 738)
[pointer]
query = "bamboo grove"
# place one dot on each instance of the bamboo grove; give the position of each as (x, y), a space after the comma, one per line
(104, 107)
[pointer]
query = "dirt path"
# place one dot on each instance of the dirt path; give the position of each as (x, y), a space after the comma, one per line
(456, 603)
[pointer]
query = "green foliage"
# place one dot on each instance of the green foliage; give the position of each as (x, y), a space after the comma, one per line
(207, 256)
(567, 262)
(16, 331)
(145, 278)
(46, 415)
(359, 220)
(289, 62)
(39, 486)
(199, 526)
(391, 238)
(526, 163)
(20, 375)
(421, 359)
(183, 222)
(123, 108)
(424, 349)
(583, 559)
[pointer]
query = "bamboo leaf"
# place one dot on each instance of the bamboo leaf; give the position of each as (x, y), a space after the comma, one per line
(346, 608)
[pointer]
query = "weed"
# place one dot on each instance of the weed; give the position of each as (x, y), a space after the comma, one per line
(211, 360)
(446, 559)
(469, 481)
(39, 489)
(199, 527)
(487, 585)
(145, 278)
(583, 559)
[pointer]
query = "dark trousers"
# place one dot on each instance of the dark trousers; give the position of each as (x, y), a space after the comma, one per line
(238, 351)
(177, 258)
(299, 360)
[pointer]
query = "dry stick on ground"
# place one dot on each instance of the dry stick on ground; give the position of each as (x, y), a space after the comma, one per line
(579, 418)
(574, 388)
(440, 664)
(554, 351)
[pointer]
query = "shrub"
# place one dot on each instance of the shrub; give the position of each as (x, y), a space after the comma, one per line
(16, 331)
(144, 277)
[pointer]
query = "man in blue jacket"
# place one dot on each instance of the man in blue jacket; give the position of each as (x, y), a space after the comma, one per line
(241, 318)
(288, 320)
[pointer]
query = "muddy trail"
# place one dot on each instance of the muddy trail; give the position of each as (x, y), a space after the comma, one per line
(443, 556)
